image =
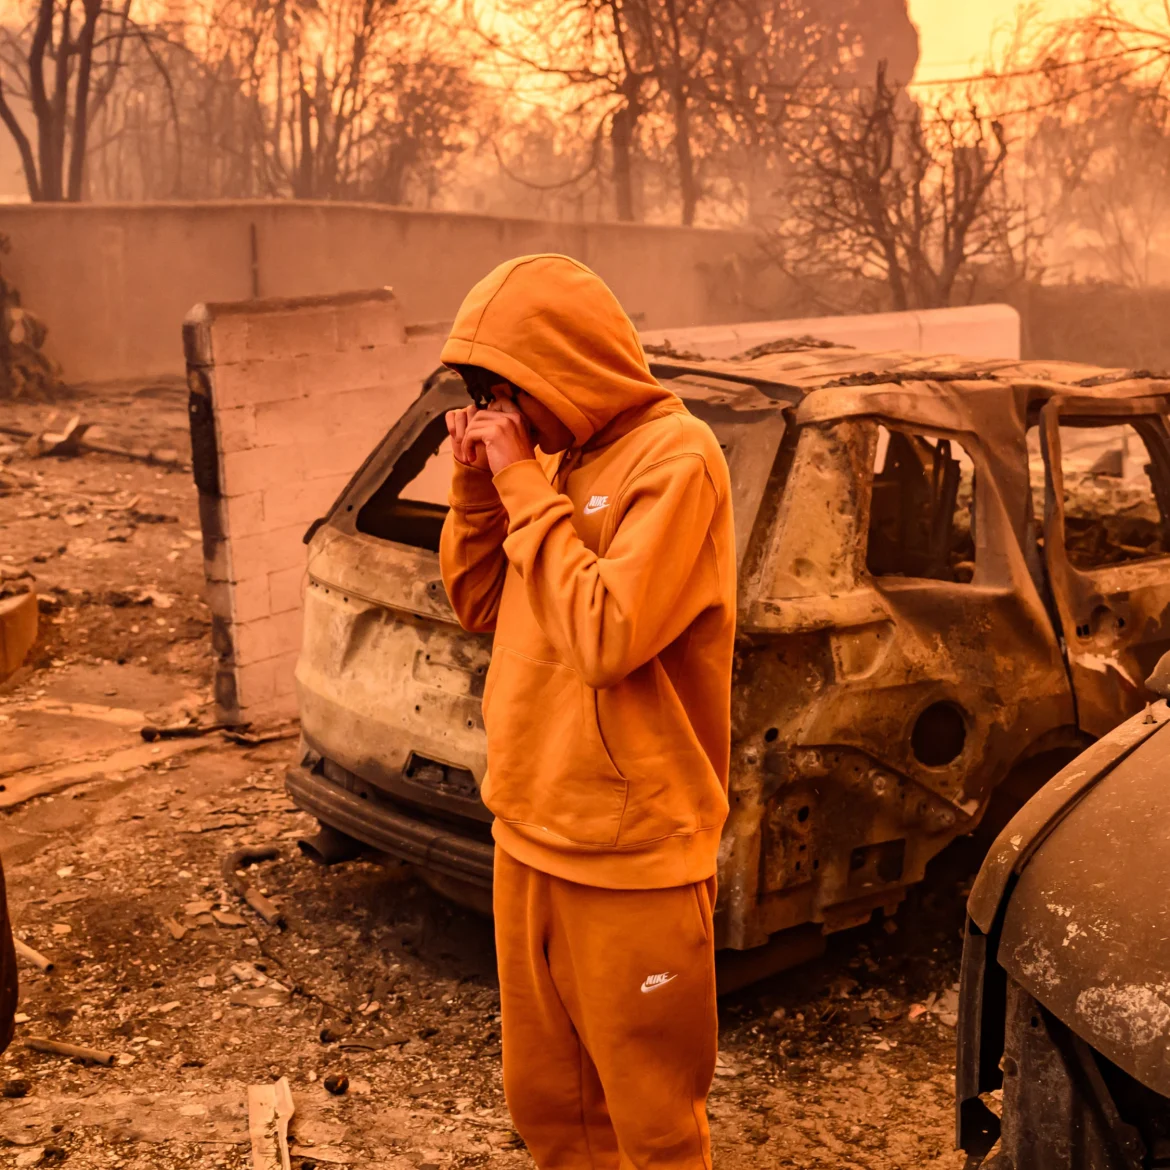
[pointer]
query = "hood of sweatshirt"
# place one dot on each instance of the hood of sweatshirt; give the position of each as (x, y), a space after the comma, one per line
(551, 326)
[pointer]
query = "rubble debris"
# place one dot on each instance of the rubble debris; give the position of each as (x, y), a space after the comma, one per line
(787, 345)
(188, 730)
(666, 349)
(315, 1156)
(25, 368)
(16, 1088)
(247, 973)
(241, 859)
(14, 792)
(64, 443)
(270, 1107)
(272, 995)
(944, 1006)
(336, 1083)
(73, 1051)
(160, 457)
(18, 629)
(24, 951)
(255, 739)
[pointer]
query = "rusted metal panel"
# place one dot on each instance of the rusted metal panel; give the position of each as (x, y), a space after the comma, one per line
(1087, 930)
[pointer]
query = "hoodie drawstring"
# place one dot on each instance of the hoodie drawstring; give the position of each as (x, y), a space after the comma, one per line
(569, 460)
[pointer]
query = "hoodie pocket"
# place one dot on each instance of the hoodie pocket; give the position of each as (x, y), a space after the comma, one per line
(548, 767)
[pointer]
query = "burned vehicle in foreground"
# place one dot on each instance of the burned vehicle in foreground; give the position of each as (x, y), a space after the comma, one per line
(928, 614)
(1065, 992)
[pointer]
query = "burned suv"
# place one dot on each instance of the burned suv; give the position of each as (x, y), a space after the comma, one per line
(952, 577)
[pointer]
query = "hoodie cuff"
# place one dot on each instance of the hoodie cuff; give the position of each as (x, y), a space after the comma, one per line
(471, 489)
(524, 491)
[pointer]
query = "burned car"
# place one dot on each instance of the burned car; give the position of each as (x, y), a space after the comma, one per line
(1065, 992)
(950, 583)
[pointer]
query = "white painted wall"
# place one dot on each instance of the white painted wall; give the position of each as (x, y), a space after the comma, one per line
(978, 331)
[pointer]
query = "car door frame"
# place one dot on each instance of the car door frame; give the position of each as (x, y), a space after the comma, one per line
(1115, 619)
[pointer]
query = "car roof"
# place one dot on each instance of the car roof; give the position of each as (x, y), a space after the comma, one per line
(832, 381)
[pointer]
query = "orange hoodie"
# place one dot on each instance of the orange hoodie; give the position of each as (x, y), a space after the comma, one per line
(608, 576)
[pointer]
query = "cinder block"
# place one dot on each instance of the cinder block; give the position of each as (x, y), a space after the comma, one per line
(243, 516)
(269, 552)
(239, 335)
(273, 712)
(286, 589)
(294, 503)
(218, 595)
(217, 560)
(341, 456)
(267, 637)
(227, 706)
(318, 418)
(250, 382)
(286, 673)
(355, 369)
(368, 323)
(255, 684)
(244, 472)
(18, 630)
(250, 600)
(235, 429)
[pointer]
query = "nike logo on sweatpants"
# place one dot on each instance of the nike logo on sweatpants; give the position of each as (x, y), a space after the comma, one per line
(654, 982)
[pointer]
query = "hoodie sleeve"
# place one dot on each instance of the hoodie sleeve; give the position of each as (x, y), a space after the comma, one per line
(609, 615)
(471, 549)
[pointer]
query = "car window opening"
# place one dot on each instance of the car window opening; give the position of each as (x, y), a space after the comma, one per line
(922, 513)
(1115, 508)
(410, 505)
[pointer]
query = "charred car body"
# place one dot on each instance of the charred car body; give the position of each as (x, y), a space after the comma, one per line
(914, 630)
(1065, 993)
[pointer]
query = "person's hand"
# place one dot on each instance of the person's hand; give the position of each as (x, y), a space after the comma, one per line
(469, 454)
(503, 432)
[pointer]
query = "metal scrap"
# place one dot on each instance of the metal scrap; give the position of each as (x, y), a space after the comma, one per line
(241, 859)
(24, 951)
(73, 1051)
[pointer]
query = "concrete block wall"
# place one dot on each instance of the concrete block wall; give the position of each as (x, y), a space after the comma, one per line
(286, 399)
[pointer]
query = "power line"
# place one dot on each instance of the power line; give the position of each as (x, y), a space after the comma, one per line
(1037, 70)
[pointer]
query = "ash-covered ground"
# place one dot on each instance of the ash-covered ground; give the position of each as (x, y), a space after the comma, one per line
(113, 849)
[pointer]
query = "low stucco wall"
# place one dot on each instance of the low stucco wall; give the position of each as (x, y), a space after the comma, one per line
(976, 331)
(113, 282)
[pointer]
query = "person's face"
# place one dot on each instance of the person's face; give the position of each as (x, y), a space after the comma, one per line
(547, 431)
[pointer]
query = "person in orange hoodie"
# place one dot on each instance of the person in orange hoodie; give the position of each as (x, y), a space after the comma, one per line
(591, 529)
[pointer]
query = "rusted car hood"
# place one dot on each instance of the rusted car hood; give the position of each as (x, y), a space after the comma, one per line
(1087, 924)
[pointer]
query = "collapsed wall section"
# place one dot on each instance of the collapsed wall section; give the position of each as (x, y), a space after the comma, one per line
(287, 397)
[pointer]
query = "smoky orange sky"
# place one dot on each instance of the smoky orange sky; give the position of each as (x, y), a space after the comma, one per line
(956, 34)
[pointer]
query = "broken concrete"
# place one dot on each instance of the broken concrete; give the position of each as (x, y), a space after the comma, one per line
(18, 630)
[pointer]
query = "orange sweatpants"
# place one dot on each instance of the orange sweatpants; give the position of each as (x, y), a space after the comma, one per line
(609, 1020)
